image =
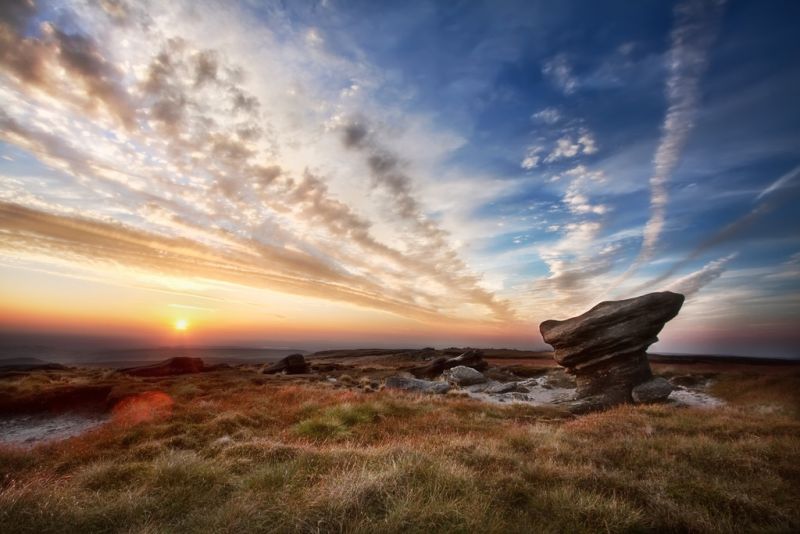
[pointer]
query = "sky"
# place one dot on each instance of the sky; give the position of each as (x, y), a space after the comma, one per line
(415, 173)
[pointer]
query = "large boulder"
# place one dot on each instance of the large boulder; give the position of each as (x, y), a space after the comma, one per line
(293, 364)
(417, 385)
(606, 347)
(464, 376)
(180, 365)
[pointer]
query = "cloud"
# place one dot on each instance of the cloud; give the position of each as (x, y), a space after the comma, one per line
(569, 147)
(694, 282)
(100, 243)
(68, 66)
(559, 71)
(779, 183)
(730, 230)
(389, 176)
(226, 174)
(532, 158)
(549, 116)
(691, 38)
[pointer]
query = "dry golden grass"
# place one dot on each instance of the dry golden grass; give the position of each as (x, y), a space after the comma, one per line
(235, 453)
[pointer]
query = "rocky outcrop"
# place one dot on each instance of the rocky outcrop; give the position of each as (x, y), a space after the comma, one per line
(461, 375)
(605, 348)
(174, 366)
(471, 358)
(417, 385)
(655, 390)
(293, 364)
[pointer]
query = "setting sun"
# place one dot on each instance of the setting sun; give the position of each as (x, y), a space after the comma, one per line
(181, 324)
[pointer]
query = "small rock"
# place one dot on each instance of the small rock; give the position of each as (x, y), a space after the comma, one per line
(500, 387)
(416, 384)
(464, 376)
(655, 390)
(476, 388)
(293, 364)
(471, 358)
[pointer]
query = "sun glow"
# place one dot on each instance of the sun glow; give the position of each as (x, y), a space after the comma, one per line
(181, 324)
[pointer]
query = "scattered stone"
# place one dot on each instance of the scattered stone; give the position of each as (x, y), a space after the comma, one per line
(471, 358)
(558, 378)
(496, 389)
(464, 376)
(655, 390)
(415, 384)
(476, 388)
(293, 364)
(605, 348)
(180, 365)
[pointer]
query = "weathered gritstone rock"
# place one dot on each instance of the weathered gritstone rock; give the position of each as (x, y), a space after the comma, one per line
(606, 347)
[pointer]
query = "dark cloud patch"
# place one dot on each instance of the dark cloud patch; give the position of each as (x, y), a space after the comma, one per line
(16, 13)
(265, 175)
(205, 67)
(37, 61)
(80, 55)
(354, 134)
(243, 102)
(21, 57)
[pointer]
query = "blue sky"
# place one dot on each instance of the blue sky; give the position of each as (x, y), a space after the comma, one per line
(422, 166)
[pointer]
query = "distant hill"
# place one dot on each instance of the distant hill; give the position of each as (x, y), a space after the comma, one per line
(116, 358)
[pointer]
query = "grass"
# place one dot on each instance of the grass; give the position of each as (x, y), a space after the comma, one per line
(230, 454)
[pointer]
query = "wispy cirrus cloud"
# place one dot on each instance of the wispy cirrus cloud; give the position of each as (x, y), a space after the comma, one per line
(691, 38)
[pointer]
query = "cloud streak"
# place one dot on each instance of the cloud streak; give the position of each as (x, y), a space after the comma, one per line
(691, 38)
